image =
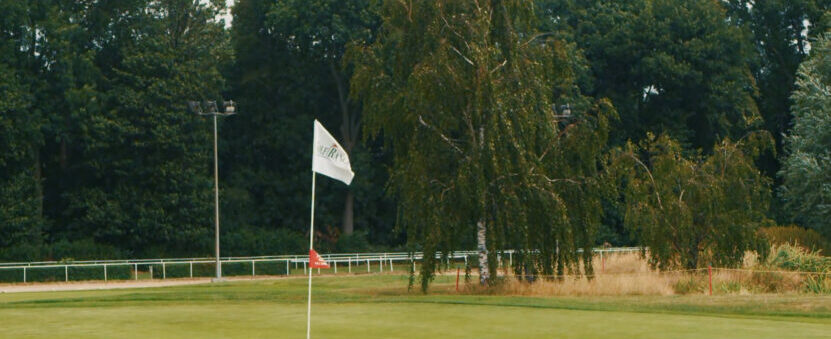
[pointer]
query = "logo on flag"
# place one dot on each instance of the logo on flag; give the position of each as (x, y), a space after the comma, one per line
(329, 157)
(315, 261)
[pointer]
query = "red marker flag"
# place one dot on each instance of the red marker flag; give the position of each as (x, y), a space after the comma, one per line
(315, 261)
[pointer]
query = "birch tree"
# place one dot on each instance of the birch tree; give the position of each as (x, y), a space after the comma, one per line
(467, 95)
(689, 210)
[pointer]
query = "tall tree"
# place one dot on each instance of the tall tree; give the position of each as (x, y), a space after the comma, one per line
(282, 84)
(320, 30)
(675, 67)
(462, 91)
(21, 217)
(782, 31)
(144, 159)
(690, 210)
(806, 169)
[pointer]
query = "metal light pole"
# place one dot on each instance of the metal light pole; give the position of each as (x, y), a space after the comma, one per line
(210, 108)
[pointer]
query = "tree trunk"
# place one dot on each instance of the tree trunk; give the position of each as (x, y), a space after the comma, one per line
(38, 181)
(348, 221)
(482, 246)
(349, 130)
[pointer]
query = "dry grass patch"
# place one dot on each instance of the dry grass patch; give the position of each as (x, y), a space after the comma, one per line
(628, 274)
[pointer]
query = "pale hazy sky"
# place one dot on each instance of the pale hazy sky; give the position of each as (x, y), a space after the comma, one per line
(227, 15)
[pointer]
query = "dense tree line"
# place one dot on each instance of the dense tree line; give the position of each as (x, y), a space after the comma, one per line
(550, 126)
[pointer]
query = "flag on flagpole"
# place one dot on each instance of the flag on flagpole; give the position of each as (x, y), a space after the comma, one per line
(315, 261)
(329, 158)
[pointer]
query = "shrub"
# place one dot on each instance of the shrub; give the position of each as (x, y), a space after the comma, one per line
(796, 236)
(689, 285)
(261, 241)
(355, 242)
(817, 267)
(799, 259)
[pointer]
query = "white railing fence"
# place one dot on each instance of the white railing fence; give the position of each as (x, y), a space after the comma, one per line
(135, 269)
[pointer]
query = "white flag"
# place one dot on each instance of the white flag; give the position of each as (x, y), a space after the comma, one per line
(329, 158)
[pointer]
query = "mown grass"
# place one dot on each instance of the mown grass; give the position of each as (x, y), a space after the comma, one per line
(381, 307)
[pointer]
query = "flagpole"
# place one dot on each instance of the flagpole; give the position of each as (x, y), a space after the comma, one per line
(311, 244)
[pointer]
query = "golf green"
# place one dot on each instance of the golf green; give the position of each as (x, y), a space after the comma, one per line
(380, 307)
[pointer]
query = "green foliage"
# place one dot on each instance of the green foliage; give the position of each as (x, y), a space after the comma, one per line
(463, 104)
(146, 158)
(676, 67)
(693, 210)
(353, 243)
(462, 92)
(781, 32)
(807, 168)
(796, 236)
(796, 258)
(799, 259)
(258, 241)
(284, 76)
(21, 217)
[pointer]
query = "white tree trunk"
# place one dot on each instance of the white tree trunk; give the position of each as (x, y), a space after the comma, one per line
(482, 246)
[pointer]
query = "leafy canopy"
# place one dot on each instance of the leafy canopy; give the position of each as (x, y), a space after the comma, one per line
(693, 210)
(807, 167)
(462, 91)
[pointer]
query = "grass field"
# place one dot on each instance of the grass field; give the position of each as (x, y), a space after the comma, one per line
(379, 306)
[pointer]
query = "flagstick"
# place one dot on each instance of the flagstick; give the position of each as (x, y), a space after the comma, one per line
(311, 243)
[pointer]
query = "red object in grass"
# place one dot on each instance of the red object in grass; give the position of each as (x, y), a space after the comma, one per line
(315, 261)
(457, 279)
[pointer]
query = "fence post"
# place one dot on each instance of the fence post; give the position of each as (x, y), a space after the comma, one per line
(164, 271)
(392, 269)
(105, 272)
(304, 268)
(191, 269)
(24, 274)
(510, 258)
(136, 270)
(253, 268)
(349, 262)
(380, 265)
(288, 270)
(66, 272)
(151, 272)
(367, 266)
(336, 266)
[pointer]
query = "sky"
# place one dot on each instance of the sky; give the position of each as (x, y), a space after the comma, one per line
(227, 16)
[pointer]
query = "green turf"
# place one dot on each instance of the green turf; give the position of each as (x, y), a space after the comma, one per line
(380, 307)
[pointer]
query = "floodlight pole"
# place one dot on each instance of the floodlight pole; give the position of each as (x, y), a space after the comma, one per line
(212, 110)
(216, 205)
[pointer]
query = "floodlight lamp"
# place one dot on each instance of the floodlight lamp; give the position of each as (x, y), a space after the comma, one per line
(229, 107)
(565, 110)
(211, 106)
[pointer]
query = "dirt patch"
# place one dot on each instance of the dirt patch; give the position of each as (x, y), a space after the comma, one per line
(100, 285)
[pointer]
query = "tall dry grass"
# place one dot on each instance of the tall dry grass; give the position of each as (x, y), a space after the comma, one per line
(628, 274)
(616, 274)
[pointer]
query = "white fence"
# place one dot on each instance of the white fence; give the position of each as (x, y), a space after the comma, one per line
(231, 266)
